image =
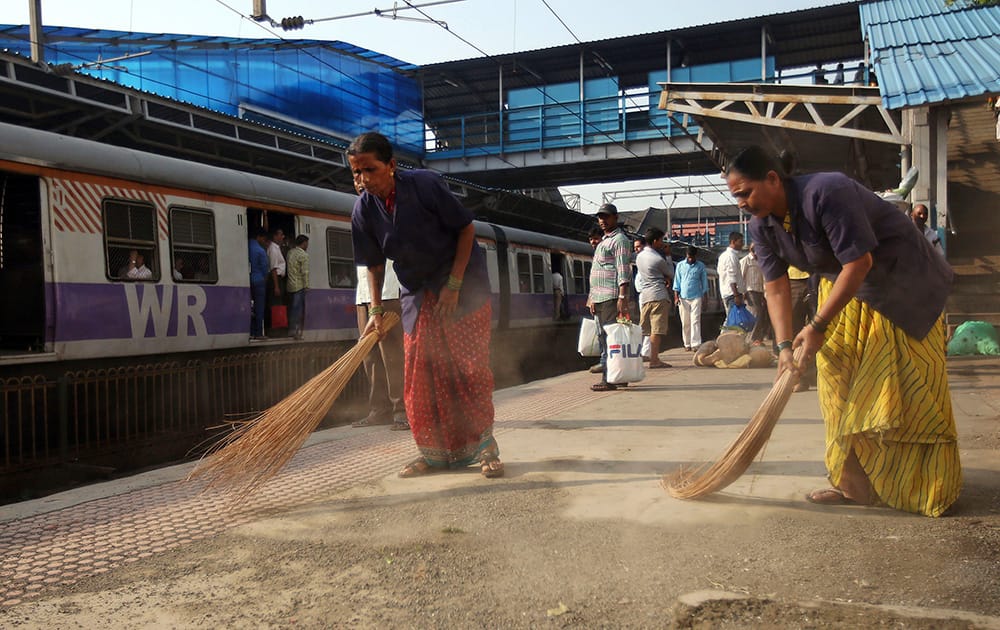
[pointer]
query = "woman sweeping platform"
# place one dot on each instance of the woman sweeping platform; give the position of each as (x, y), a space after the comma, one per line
(878, 334)
(414, 220)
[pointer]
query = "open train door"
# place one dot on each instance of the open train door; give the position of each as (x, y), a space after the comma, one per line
(22, 277)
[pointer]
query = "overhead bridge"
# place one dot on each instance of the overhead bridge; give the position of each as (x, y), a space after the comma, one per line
(589, 112)
(569, 142)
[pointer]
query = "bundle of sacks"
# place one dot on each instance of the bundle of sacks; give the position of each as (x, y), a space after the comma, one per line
(731, 350)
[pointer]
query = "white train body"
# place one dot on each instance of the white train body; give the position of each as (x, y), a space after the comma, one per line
(96, 203)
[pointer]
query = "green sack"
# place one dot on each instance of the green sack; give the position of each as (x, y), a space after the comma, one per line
(974, 338)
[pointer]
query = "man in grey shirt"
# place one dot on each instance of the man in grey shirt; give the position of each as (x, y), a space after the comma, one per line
(656, 272)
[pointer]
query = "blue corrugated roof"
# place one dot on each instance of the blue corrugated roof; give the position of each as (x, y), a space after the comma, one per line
(101, 37)
(926, 52)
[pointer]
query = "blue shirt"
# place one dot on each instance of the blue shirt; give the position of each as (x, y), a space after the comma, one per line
(259, 265)
(836, 220)
(420, 237)
(690, 281)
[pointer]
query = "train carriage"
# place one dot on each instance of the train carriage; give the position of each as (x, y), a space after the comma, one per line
(103, 363)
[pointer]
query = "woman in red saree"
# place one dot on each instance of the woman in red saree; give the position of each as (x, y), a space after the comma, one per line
(413, 219)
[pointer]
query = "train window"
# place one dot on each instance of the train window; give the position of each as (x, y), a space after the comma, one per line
(586, 277)
(192, 246)
(538, 273)
(340, 256)
(523, 273)
(130, 241)
(579, 278)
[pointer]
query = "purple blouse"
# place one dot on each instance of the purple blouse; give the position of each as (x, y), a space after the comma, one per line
(835, 220)
(420, 237)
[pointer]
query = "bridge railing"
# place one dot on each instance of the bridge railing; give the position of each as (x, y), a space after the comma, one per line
(616, 119)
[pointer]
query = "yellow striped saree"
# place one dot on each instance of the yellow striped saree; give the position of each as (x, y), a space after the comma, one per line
(885, 395)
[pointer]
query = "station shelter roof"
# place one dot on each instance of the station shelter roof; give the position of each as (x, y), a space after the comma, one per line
(927, 52)
(359, 89)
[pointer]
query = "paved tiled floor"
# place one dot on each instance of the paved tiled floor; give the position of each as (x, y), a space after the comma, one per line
(62, 546)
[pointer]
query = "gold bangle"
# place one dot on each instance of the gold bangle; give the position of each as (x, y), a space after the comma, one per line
(376, 309)
(454, 283)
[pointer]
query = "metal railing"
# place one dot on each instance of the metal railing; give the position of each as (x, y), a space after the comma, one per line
(116, 416)
(25, 406)
(612, 119)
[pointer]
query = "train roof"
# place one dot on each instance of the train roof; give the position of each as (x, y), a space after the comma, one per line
(57, 151)
(44, 148)
(524, 237)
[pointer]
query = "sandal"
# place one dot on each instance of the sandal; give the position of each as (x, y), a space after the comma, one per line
(491, 465)
(371, 421)
(603, 387)
(829, 496)
(416, 468)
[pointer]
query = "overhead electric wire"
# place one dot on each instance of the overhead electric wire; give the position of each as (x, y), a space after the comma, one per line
(628, 97)
(540, 90)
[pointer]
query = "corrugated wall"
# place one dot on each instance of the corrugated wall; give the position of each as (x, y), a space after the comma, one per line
(974, 203)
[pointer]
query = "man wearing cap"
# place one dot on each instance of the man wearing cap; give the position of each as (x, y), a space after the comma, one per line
(610, 278)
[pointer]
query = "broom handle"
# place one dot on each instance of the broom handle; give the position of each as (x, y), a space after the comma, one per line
(389, 319)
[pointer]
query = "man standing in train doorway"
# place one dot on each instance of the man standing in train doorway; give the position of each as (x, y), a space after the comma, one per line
(297, 284)
(610, 278)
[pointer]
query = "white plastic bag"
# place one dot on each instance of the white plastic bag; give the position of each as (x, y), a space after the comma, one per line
(646, 348)
(624, 357)
(588, 344)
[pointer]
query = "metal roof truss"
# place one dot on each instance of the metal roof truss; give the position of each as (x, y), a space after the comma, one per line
(827, 110)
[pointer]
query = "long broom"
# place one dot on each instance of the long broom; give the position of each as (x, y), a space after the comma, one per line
(257, 449)
(691, 483)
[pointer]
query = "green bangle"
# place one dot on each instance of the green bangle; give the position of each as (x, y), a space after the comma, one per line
(454, 283)
(784, 345)
(377, 309)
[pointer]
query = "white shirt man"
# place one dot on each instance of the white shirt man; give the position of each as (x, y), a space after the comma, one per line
(385, 367)
(731, 284)
(558, 289)
(276, 260)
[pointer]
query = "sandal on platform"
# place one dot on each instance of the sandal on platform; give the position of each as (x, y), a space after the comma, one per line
(603, 387)
(491, 465)
(829, 496)
(416, 468)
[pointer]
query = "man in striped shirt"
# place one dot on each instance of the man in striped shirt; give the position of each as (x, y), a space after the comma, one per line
(610, 277)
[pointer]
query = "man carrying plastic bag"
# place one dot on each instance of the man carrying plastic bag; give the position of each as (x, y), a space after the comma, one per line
(624, 352)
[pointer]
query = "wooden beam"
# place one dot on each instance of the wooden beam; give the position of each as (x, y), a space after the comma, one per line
(698, 110)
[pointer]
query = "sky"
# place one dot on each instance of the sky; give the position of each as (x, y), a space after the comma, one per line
(475, 27)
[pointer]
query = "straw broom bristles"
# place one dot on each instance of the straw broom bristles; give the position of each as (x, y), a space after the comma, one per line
(257, 449)
(691, 483)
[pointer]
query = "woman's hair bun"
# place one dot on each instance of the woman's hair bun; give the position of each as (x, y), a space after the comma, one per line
(787, 160)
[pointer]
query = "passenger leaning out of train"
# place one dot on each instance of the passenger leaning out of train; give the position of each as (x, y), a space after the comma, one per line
(610, 281)
(136, 268)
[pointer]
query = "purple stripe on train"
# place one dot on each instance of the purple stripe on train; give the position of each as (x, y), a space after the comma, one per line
(531, 305)
(85, 311)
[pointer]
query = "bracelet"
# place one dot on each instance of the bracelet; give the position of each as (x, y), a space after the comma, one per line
(819, 323)
(784, 345)
(454, 283)
(376, 309)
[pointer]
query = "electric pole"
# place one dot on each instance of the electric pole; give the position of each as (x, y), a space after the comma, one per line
(35, 30)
